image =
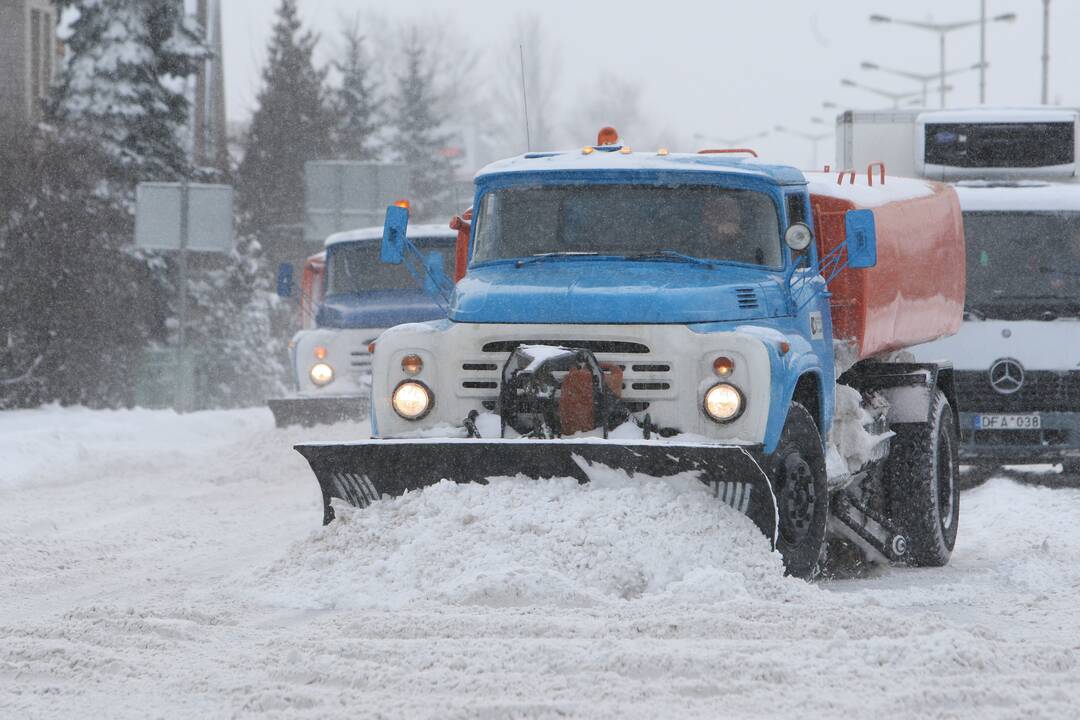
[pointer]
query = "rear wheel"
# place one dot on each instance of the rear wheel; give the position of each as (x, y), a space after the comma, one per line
(923, 482)
(797, 472)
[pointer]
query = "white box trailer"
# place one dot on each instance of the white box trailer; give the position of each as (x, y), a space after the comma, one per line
(944, 145)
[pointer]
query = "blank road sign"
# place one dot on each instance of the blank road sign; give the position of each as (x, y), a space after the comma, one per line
(344, 195)
(210, 217)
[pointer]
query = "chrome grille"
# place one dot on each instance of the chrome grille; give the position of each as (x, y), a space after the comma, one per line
(645, 377)
(360, 362)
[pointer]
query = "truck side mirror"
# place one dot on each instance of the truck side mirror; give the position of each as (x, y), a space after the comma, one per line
(392, 251)
(435, 279)
(285, 280)
(861, 239)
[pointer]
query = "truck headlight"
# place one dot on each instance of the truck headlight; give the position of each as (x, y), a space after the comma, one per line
(412, 400)
(321, 374)
(723, 402)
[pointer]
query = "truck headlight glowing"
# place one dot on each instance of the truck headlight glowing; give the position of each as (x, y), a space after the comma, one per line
(723, 402)
(412, 400)
(321, 374)
(412, 364)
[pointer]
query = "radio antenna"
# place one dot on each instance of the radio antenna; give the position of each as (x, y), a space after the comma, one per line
(525, 99)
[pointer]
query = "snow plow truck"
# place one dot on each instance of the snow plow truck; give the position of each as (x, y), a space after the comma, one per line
(666, 313)
(347, 297)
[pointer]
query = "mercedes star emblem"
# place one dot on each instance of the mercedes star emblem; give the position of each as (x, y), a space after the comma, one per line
(1006, 376)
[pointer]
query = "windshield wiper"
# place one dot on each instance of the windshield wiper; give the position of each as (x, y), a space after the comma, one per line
(672, 256)
(540, 257)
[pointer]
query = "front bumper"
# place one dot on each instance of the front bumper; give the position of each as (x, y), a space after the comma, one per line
(1058, 439)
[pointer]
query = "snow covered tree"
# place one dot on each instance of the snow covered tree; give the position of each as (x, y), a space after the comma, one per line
(290, 127)
(356, 104)
(420, 140)
(230, 313)
(124, 86)
(76, 308)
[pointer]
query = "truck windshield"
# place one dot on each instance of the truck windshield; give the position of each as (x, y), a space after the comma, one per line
(355, 268)
(1030, 259)
(700, 221)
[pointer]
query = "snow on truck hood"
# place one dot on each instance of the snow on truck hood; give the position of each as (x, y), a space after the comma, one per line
(594, 291)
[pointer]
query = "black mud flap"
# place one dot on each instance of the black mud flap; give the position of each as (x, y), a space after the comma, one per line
(309, 411)
(364, 471)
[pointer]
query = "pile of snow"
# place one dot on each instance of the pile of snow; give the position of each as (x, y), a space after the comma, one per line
(520, 542)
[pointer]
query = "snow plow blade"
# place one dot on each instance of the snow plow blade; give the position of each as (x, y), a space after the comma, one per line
(308, 412)
(364, 471)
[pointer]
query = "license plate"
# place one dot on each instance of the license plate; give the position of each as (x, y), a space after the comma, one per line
(1031, 421)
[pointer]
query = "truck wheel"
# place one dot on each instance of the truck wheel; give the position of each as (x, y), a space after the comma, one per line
(797, 472)
(922, 476)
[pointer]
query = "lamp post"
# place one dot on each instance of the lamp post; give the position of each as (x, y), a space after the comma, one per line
(895, 97)
(1046, 54)
(943, 29)
(813, 138)
(924, 78)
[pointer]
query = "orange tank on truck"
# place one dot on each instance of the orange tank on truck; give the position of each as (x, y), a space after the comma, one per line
(915, 293)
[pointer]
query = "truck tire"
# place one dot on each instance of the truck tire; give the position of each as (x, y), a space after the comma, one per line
(922, 477)
(797, 472)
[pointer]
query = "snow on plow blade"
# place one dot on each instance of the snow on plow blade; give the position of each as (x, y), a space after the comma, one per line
(364, 471)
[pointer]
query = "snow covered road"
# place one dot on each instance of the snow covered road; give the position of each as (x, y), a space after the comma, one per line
(161, 566)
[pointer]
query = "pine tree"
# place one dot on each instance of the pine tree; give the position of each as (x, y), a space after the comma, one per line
(420, 140)
(230, 313)
(124, 88)
(357, 107)
(76, 308)
(291, 126)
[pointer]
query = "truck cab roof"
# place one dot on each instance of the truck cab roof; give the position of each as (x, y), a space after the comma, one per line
(375, 234)
(605, 159)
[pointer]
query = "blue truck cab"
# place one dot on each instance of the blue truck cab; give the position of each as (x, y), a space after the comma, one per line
(358, 298)
(657, 313)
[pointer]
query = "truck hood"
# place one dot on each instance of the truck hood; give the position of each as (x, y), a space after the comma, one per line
(599, 291)
(376, 309)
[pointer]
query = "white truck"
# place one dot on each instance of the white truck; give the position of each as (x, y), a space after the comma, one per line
(1017, 355)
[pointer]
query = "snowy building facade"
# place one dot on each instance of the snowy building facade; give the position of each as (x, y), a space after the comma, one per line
(29, 58)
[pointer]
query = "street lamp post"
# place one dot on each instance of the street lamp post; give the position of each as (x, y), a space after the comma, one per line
(895, 97)
(943, 29)
(813, 138)
(1046, 54)
(924, 78)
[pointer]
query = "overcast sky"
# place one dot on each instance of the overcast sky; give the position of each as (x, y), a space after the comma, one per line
(723, 68)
